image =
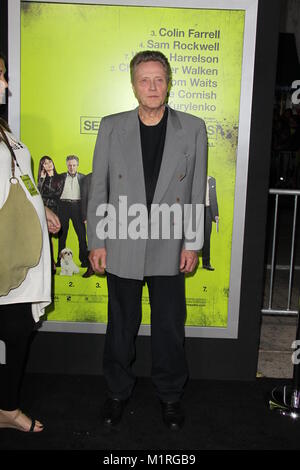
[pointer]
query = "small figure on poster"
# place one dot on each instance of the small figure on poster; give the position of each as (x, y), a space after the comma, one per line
(85, 188)
(68, 267)
(70, 209)
(211, 215)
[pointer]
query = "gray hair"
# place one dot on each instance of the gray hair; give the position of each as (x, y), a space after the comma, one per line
(147, 56)
(72, 157)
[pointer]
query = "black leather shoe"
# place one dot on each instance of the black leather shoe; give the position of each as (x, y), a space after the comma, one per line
(208, 267)
(113, 411)
(173, 415)
(89, 272)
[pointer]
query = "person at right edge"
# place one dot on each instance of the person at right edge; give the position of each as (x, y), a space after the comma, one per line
(151, 155)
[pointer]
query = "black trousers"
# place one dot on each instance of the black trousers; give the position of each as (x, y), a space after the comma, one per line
(16, 327)
(168, 314)
(72, 211)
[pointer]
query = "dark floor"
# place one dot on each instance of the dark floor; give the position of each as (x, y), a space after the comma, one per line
(219, 415)
(275, 350)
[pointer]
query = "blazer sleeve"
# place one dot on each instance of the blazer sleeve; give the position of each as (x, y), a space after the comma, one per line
(194, 222)
(98, 193)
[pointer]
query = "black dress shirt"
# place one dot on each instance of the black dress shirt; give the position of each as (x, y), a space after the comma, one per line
(152, 142)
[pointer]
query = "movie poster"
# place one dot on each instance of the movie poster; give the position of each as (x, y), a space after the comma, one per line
(75, 70)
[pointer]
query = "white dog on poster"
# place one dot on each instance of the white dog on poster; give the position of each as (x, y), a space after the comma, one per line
(68, 267)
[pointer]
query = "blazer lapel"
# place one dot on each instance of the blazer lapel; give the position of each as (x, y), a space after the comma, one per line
(132, 150)
(173, 152)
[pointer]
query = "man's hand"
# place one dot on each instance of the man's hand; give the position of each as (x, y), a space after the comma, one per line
(52, 221)
(97, 259)
(188, 261)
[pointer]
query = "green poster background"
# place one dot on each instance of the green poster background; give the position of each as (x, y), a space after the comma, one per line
(75, 69)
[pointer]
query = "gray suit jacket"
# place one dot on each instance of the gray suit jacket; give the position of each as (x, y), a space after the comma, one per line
(118, 171)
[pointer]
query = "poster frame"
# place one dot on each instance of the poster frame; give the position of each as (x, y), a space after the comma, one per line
(250, 7)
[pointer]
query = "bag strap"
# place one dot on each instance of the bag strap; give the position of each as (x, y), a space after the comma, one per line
(12, 153)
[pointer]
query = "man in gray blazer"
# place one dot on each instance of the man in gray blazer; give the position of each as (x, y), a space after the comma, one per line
(147, 161)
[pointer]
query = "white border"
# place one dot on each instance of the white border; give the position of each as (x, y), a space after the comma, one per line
(250, 7)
